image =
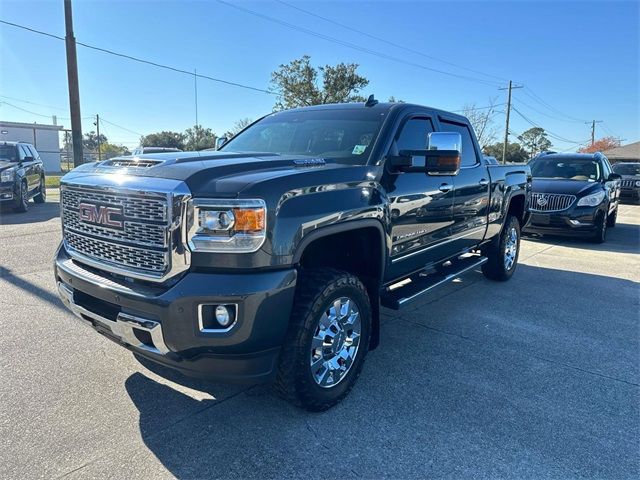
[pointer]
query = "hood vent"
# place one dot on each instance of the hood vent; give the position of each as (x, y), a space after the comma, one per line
(134, 162)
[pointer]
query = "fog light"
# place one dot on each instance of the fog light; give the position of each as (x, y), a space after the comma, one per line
(222, 315)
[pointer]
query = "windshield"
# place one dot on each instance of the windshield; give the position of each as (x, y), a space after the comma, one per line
(8, 153)
(567, 168)
(344, 135)
(627, 169)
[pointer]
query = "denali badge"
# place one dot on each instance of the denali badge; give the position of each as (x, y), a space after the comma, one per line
(542, 200)
(101, 215)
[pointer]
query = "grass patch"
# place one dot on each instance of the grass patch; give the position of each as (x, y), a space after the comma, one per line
(52, 181)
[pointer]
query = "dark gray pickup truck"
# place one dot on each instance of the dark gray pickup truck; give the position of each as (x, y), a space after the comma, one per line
(270, 259)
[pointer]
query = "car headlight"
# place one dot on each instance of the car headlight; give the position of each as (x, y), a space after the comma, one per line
(637, 183)
(591, 200)
(227, 226)
(7, 175)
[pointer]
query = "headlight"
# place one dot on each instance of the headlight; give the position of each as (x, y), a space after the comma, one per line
(591, 200)
(227, 226)
(637, 183)
(7, 175)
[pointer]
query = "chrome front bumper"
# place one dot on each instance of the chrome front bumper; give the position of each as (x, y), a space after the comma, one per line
(124, 327)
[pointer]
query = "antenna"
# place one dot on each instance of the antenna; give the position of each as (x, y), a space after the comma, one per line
(371, 101)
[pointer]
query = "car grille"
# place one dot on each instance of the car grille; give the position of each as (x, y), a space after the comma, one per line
(627, 183)
(141, 247)
(551, 202)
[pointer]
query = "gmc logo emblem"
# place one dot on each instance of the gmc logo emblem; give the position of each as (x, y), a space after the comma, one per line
(101, 215)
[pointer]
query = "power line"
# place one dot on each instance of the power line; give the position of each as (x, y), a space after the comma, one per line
(351, 45)
(551, 134)
(33, 103)
(546, 114)
(531, 94)
(3, 102)
(480, 108)
(102, 119)
(388, 42)
(140, 60)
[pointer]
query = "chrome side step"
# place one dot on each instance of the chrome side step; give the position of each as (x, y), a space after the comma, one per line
(421, 283)
(124, 326)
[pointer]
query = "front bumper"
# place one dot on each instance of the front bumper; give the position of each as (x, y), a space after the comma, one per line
(161, 323)
(8, 192)
(575, 221)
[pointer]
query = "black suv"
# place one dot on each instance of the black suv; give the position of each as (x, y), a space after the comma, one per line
(21, 175)
(573, 194)
(630, 172)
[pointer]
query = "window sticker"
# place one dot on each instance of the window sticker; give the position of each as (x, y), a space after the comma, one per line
(358, 149)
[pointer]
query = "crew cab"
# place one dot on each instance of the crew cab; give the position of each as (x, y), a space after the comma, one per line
(574, 194)
(21, 176)
(270, 259)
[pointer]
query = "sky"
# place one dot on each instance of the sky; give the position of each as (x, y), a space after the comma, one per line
(577, 60)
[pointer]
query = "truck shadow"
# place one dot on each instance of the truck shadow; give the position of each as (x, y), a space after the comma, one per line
(37, 213)
(477, 367)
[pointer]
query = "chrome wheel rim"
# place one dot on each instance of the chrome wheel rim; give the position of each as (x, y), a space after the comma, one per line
(23, 191)
(510, 249)
(43, 190)
(335, 343)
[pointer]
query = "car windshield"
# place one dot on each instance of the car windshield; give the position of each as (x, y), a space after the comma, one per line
(567, 168)
(8, 153)
(627, 169)
(344, 135)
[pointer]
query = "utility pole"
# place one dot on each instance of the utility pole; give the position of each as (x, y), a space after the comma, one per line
(593, 130)
(506, 129)
(195, 87)
(97, 124)
(74, 90)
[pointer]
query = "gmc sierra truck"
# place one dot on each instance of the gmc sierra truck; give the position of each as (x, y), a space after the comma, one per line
(270, 259)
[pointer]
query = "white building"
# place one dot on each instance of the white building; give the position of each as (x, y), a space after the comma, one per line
(45, 138)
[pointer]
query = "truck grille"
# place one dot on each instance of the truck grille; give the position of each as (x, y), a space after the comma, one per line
(551, 202)
(627, 183)
(141, 239)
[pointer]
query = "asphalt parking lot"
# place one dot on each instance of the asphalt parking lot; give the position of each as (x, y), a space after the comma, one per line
(535, 378)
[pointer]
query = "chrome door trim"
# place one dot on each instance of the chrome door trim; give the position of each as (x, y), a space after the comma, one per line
(448, 240)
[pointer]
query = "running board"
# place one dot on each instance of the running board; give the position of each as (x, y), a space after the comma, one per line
(421, 283)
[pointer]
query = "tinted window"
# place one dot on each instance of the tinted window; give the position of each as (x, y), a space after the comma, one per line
(34, 154)
(414, 134)
(24, 152)
(468, 150)
(345, 135)
(584, 170)
(8, 153)
(622, 169)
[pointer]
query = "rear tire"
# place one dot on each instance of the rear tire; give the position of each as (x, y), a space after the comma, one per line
(323, 352)
(503, 252)
(22, 204)
(41, 197)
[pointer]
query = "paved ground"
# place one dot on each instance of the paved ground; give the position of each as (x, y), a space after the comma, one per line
(535, 378)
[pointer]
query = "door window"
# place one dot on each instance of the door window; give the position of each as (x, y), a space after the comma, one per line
(469, 157)
(414, 136)
(23, 152)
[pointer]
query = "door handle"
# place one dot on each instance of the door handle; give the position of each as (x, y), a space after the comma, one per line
(445, 187)
(484, 182)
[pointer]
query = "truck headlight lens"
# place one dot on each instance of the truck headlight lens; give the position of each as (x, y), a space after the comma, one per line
(591, 200)
(227, 226)
(637, 183)
(7, 175)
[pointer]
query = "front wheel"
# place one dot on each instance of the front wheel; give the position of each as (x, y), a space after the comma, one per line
(22, 202)
(327, 341)
(600, 235)
(41, 196)
(502, 253)
(611, 219)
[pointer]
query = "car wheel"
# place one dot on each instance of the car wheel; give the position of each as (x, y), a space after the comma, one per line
(327, 340)
(502, 253)
(22, 204)
(600, 234)
(611, 219)
(41, 197)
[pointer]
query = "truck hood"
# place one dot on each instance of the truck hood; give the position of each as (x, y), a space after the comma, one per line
(5, 164)
(569, 187)
(221, 174)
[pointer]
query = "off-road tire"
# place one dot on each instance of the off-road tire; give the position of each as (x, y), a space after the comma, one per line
(41, 197)
(315, 291)
(494, 268)
(22, 202)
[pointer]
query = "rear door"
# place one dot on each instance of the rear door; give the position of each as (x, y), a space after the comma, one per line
(471, 197)
(421, 206)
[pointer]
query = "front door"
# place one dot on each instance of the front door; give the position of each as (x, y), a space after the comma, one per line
(421, 206)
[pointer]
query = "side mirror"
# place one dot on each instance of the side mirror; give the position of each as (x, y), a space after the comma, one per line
(220, 141)
(441, 158)
(28, 159)
(613, 177)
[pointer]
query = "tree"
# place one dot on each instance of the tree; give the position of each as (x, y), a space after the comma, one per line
(297, 84)
(199, 138)
(515, 152)
(110, 150)
(393, 99)
(238, 126)
(481, 120)
(90, 140)
(164, 139)
(535, 141)
(601, 145)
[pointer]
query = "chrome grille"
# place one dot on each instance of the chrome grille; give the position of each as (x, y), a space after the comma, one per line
(627, 183)
(551, 202)
(149, 245)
